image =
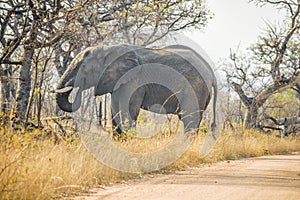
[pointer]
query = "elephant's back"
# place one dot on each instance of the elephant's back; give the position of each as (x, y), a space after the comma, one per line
(184, 61)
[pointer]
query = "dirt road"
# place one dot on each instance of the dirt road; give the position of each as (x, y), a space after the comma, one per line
(269, 177)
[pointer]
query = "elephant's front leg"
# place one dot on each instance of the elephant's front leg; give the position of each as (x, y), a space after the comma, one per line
(126, 105)
(115, 116)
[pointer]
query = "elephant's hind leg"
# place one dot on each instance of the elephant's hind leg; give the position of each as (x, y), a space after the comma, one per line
(191, 114)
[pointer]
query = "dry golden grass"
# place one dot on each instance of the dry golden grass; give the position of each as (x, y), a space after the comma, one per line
(40, 169)
(32, 168)
(238, 143)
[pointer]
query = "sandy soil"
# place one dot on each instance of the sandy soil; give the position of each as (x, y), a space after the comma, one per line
(269, 177)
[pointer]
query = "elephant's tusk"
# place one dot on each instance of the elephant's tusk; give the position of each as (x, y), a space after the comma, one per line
(64, 90)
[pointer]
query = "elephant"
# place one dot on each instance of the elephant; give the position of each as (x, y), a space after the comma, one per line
(176, 78)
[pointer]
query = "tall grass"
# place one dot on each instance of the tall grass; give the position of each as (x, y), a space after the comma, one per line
(236, 144)
(32, 168)
(37, 167)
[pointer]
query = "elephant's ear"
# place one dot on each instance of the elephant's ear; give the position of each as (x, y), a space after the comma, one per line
(131, 77)
(117, 63)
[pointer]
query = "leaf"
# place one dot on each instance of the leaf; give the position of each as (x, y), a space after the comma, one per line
(135, 5)
(26, 135)
(15, 138)
(148, 9)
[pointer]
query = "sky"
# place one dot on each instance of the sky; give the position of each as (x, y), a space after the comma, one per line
(235, 23)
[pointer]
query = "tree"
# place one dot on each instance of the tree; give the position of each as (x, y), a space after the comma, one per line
(271, 65)
(129, 21)
(25, 26)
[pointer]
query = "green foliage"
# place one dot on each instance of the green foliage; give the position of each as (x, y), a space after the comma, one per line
(283, 104)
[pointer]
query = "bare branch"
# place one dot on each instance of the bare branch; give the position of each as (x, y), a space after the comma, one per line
(11, 62)
(238, 89)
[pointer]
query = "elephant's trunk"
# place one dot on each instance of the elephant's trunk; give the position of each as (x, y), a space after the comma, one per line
(62, 100)
(64, 89)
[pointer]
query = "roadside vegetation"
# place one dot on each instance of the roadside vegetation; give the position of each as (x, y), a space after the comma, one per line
(35, 165)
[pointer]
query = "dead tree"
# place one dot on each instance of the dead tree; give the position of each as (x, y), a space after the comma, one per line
(273, 65)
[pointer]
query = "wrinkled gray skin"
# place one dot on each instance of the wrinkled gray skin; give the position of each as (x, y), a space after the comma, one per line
(103, 68)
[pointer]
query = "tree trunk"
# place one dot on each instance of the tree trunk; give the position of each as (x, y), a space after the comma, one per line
(251, 117)
(24, 87)
(23, 91)
(247, 120)
(5, 92)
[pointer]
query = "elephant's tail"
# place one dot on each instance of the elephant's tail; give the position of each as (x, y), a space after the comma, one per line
(215, 87)
(214, 132)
